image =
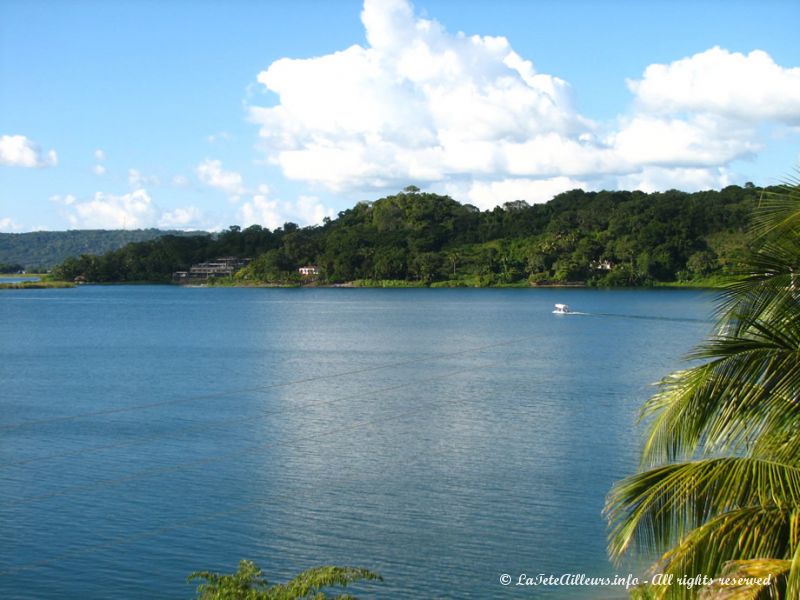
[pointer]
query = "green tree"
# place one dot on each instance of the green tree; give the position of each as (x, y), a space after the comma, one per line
(719, 489)
(248, 583)
(453, 256)
(702, 263)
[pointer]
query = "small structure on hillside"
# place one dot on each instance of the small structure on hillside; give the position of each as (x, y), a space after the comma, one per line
(220, 267)
(601, 265)
(309, 271)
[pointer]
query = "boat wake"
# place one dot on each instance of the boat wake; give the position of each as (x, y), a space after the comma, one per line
(651, 318)
(563, 309)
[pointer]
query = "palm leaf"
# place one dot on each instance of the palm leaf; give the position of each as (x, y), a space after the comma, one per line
(741, 534)
(772, 572)
(778, 211)
(659, 507)
(732, 506)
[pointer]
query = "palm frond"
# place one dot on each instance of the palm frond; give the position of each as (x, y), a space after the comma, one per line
(741, 534)
(767, 577)
(733, 505)
(657, 508)
(749, 390)
(778, 210)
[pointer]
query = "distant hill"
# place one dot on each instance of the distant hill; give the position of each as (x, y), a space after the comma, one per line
(607, 238)
(45, 249)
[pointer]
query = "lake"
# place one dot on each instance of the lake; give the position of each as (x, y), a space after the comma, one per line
(440, 437)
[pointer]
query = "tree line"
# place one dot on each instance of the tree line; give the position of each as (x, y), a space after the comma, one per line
(38, 251)
(607, 238)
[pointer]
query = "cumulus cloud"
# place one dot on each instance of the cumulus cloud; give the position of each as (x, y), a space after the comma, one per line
(107, 211)
(99, 155)
(133, 210)
(749, 87)
(417, 104)
(486, 195)
(19, 151)
(9, 225)
(99, 170)
(420, 104)
(700, 140)
(653, 179)
(260, 210)
(211, 173)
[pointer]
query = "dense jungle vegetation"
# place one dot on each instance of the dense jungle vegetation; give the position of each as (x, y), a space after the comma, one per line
(608, 238)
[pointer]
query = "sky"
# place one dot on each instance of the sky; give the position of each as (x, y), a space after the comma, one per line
(192, 114)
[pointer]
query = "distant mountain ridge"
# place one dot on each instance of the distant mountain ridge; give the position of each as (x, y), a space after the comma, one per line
(45, 249)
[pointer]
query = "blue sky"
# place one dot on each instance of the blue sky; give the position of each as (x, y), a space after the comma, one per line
(202, 114)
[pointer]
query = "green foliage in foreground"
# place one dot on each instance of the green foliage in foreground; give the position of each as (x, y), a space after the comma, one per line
(719, 490)
(600, 238)
(248, 583)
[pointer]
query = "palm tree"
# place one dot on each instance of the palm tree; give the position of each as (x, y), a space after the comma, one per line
(718, 493)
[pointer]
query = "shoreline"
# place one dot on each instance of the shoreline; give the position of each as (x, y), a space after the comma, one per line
(413, 285)
(368, 284)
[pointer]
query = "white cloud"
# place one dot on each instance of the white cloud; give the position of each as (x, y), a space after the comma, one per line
(107, 211)
(183, 218)
(99, 170)
(308, 210)
(417, 104)
(133, 210)
(211, 173)
(137, 180)
(180, 181)
(260, 210)
(652, 179)
(486, 195)
(99, 155)
(420, 104)
(749, 87)
(8, 225)
(19, 151)
(671, 141)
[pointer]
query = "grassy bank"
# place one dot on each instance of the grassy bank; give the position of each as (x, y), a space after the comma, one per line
(714, 283)
(36, 285)
(387, 283)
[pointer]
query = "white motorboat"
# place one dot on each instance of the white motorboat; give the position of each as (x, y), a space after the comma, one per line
(561, 309)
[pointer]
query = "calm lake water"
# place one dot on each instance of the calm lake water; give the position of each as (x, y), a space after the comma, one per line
(439, 437)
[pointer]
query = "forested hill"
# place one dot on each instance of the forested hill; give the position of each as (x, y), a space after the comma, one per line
(44, 249)
(601, 238)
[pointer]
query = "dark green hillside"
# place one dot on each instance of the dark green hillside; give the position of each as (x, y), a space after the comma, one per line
(601, 238)
(45, 249)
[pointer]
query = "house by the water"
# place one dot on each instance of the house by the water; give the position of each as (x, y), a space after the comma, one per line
(219, 267)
